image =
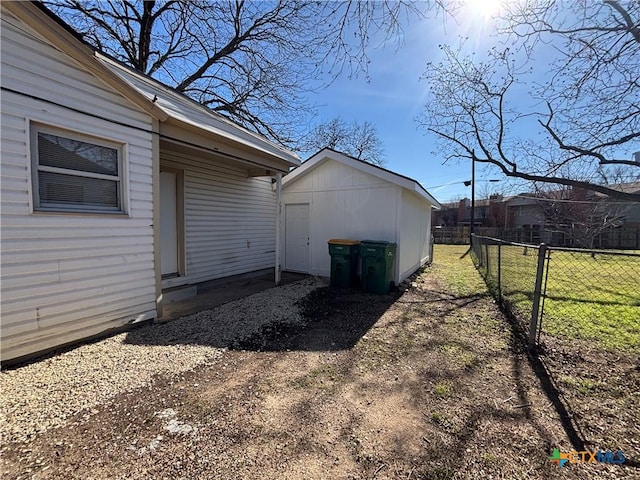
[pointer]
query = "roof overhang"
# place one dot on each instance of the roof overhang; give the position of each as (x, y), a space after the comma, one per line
(184, 137)
(185, 113)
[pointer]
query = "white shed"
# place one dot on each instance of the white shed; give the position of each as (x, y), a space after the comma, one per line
(333, 195)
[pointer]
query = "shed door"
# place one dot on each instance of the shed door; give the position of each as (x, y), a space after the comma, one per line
(296, 244)
(168, 224)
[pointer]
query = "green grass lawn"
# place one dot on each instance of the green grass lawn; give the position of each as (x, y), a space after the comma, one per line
(453, 264)
(596, 298)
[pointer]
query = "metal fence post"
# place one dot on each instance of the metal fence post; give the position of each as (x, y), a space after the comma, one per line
(486, 257)
(499, 271)
(431, 249)
(533, 324)
(473, 247)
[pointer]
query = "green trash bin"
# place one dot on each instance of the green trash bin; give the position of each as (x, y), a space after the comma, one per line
(344, 262)
(377, 265)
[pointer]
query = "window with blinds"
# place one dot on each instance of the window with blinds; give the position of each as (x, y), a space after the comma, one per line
(73, 173)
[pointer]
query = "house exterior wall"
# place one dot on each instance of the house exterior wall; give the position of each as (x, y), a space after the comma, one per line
(68, 276)
(521, 214)
(415, 234)
(230, 218)
(347, 203)
(632, 215)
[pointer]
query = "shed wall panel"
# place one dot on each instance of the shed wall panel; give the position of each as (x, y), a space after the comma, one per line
(344, 203)
(415, 233)
(332, 176)
(68, 276)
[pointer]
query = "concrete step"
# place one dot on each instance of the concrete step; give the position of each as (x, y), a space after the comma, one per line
(179, 294)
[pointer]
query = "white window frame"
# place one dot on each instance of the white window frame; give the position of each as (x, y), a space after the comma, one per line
(120, 179)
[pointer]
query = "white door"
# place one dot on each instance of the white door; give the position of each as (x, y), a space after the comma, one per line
(296, 243)
(168, 224)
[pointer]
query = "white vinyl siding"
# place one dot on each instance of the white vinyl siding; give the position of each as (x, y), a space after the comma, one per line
(67, 277)
(229, 217)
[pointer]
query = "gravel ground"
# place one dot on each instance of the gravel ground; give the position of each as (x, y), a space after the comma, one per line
(41, 395)
(432, 382)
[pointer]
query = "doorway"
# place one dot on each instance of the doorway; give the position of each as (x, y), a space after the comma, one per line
(171, 222)
(296, 244)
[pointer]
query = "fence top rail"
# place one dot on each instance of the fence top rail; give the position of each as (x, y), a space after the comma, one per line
(559, 249)
(595, 252)
(505, 242)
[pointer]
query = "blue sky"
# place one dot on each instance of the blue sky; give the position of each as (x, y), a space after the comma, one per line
(395, 96)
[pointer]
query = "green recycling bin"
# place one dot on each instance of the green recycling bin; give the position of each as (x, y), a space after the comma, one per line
(377, 265)
(344, 262)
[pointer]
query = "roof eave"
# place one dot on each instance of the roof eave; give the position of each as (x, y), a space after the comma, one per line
(189, 134)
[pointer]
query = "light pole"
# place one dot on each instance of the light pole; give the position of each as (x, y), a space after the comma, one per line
(473, 196)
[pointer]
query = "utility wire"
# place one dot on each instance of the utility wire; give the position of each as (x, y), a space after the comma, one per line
(145, 130)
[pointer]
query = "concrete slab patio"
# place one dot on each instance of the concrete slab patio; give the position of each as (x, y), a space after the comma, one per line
(217, 292)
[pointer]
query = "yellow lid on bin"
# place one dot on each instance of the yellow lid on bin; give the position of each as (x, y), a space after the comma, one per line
(342, 241)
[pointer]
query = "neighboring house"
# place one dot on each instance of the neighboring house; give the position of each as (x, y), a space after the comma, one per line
(446, 216)
(114, 188)
(332, 195)
(575, 217)
(567, 217)
(631, 212)
(488, 212)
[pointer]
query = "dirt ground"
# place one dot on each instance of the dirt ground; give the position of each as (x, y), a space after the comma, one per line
(429, 383)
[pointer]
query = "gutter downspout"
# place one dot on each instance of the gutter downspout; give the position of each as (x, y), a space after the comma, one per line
(278, 224)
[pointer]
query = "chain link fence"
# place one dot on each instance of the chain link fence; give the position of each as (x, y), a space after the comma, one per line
(590, 294)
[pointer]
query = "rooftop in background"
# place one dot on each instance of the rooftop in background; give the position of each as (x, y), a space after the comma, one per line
(532, 197)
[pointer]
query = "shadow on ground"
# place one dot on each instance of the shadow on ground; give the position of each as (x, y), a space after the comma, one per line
(327, 319)
(564, 370)
(336, 319)
(428, 384)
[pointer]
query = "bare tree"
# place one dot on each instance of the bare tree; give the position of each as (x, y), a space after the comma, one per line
(578, 214)
(359, 140)
(252, 61)
(365, 144)
(572, 119)
(328, 134)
